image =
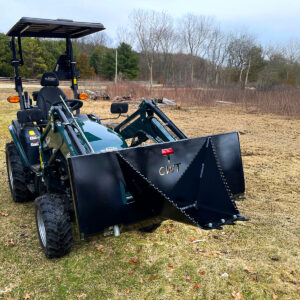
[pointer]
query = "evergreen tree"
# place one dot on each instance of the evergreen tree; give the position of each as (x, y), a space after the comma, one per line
(6, 69)
(257, 63)
(96, 58)
(55, 49)
(108, 65)
(35, 58)
(128, 63)
(83, 66)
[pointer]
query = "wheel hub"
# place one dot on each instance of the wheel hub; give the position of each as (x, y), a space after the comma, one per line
(41, 228)
(10, 175)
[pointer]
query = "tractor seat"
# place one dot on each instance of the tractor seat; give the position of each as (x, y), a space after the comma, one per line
(49, 94)
(29, 115)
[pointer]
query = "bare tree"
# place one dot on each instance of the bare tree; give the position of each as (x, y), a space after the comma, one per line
(195, 31)
(239, 51)
(292, 51)
(167, 47)
(88, 43)
(100, 39)
(126, 36)
(149, 27)
(168, 39)
(217, 51)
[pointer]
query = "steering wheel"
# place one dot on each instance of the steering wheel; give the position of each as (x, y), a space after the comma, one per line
(73, 104)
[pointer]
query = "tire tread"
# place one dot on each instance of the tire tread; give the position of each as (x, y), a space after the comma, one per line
(20, 192)
(57, 224)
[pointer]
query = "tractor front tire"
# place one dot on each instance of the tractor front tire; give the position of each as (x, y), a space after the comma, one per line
(53, 225)
(17, 175)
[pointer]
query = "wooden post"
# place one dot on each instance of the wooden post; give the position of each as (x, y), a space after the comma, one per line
(116, 69)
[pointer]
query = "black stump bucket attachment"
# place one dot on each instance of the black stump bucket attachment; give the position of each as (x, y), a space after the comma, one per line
(191, 181)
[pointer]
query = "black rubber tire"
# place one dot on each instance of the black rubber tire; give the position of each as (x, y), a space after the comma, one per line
(17, 175)
(51, 210)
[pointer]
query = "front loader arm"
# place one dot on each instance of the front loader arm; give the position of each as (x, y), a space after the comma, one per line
(149, 122)
(57, 142)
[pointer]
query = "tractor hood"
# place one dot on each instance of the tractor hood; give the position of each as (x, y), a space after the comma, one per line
(101, 138)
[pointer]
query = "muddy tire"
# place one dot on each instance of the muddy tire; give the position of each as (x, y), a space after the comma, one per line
(53, 225)
(17, 175)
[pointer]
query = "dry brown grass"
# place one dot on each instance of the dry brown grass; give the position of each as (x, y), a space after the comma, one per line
(261, 256)
(281, 101)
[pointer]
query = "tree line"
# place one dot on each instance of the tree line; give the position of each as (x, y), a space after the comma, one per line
(195, 50)
(93, 59)
(192, 50)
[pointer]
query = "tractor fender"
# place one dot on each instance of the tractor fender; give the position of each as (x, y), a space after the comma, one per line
(18, 146)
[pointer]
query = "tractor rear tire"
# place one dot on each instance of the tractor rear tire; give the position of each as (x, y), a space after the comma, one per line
(17, 175)
(53, 225)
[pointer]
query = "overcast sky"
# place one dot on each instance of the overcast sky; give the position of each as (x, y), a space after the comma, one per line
(269, 20)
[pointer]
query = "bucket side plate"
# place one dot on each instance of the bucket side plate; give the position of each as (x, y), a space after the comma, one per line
(189, 185)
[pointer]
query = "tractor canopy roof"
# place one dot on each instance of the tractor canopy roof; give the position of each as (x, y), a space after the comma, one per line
(47, 28)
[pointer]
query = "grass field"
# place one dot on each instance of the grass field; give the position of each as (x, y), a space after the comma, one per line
(258, 259)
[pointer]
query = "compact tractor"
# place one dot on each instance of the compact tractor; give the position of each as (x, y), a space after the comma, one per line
(133, 175)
